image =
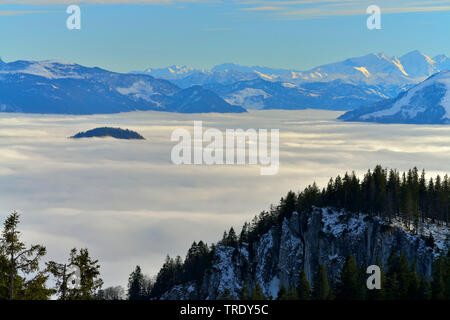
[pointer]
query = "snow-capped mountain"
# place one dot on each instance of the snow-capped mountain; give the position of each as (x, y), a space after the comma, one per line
(57, 87)
(262, 94)
(194, 99)
(428, 102)
(170, 73)
(418, 65)
(214, 77)
(390, 75)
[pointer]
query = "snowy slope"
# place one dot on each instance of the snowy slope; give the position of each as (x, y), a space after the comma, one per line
(324, 236)
(428, 102)
(67, 88)
(391, 74)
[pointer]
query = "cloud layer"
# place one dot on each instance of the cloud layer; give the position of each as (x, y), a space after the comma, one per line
(129, 204)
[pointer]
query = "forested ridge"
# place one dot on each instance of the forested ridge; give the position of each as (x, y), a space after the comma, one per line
(388, 194)
(408, 197)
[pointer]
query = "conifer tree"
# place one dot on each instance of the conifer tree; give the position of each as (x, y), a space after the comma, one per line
(282, 293)
(20, 259)
(244, 293)
(88, 279)
(348, 287)
(438, 284)
(136, 285)
(257, 293)
(303, 288)
(321, 287)
(292, 293)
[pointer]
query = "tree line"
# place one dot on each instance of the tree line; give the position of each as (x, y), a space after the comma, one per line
(399, 281)
(388, 194)
(23, 275)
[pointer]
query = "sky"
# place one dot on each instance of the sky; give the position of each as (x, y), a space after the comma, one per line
(127, 35)
(129, 204)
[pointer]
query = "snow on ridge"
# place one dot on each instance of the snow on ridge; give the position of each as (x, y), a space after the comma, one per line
(445, 102)
(139, 89)
(336, 222)
(363, 70)
(288, 85)
(226, 271)
(50, 69)
(263, 252)
(399, 65)
(239, 98)
(399, 105)
(440, 233)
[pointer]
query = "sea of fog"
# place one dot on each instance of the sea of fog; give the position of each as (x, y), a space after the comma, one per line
(130, 205)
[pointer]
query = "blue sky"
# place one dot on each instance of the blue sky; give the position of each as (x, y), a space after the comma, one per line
(123, 35)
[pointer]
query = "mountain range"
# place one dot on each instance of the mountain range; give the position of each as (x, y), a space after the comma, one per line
(370, 82)
(342, 85)
(66, 88)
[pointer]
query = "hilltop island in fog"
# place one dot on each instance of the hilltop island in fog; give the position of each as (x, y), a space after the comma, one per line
(116, 133)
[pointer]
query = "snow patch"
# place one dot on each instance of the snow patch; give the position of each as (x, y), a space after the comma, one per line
(363, 70)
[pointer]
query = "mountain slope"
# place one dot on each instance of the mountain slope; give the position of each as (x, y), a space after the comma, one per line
(193, 100)
(418, 65)
(367, 219)
(64, 88)
(390, 75)
(426, 103)
(302, 242)
(261, 94)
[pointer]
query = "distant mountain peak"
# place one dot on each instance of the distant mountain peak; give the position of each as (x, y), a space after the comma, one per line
(426, 103)
(440, 57)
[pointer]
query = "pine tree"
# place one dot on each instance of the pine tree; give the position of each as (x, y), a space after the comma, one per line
(303, 288)
(257, 293)
(348, 287)
(244, 293)
(403, 277)
(136, 285)
(292, 293)
(320, 288)
(414, 284)
(438, 283)
(20, 259)
(282, 293)
(89, 281)
(424, 289)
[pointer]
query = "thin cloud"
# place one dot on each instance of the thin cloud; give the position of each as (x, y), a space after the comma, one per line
(308, 9)
(155, 2)
(17, 13)
(262, 9)
(320, 12)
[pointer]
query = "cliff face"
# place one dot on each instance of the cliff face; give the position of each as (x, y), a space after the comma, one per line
(324, 236)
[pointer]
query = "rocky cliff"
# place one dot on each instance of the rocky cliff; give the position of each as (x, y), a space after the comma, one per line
(303, 241)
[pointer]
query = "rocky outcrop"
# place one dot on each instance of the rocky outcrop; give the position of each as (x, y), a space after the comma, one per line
(324, 236)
